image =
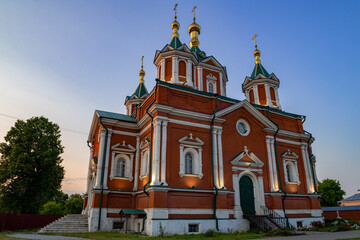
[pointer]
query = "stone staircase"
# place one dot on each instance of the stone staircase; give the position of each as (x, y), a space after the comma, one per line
(67, 224)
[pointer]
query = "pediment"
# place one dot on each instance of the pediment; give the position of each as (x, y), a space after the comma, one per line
(190, 140)
(251, 109)
(212, 61)
(247, 159)
(289, 154)
(123, 147)
(144, 144)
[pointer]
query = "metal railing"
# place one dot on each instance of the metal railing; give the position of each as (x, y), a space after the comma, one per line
(276, 218)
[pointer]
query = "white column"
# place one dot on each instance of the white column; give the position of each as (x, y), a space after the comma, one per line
(200, 78)
(137, 159)
(175, 70)
(277, 97)
(153, 157)
(221, 84)
(200, 163)
(131, 168)
(163, 152)
(247, 95)
(189, 73)
(194, 79)
(276, 183)
(182, 162)
(268, 97)
(261, 189)
(307, 169)
(100, 159)
(112, 170)
(162, 74)
(156, 155)
(106, 172)
(271, 167)
(157, 72)
(215, 155)
(221, 165)
(256, 94)
(89, 171)
(237, 208)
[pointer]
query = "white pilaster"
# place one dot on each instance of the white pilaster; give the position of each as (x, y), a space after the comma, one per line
(200, 78)
(189, 81)
(100, 159)
(200, 163)
(175, 70)
(221, 84)
(268, 97)
(276, 183)
(162, 74)
(271, 167)
(277, 97)
(89, 170)
(215, 155)
(247, 95)
(221, 165)
(261, 189)
(137, 159)
(256, 94)
(237, 208)
(182, 161)
(307, 169)
(163, 152)
(156, 155)
(106, 172)
(153, 157)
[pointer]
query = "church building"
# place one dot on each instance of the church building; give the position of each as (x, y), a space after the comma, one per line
(186, 158)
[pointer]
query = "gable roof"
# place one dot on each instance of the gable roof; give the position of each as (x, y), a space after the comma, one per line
(175, 42)
(355, 197)
(141, 90)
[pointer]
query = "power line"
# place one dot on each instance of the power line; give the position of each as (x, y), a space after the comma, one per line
(63, 129)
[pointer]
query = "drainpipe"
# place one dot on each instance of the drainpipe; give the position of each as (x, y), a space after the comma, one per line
(310, 156)
(102, 172)
(278, 166)
(212, 163)
(151, 141)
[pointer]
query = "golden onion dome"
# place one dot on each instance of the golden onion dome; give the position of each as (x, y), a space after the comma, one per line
(257, 56)
(175, 24)
(194, 27)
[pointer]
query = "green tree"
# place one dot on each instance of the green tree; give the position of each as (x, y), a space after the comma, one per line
(74, 204)
(30, 171)
(60, 197)
(331, 192)
(52, 208)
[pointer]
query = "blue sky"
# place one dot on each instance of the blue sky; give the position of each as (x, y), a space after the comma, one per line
(64, 59)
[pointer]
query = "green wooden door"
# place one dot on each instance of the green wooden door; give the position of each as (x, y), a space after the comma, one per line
(247, 196)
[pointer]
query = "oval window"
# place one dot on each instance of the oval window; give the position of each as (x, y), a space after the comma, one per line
(243, 127)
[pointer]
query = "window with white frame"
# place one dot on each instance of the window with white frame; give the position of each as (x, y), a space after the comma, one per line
(290, 167)
(122, 157)
(211, 83)
(191, 156)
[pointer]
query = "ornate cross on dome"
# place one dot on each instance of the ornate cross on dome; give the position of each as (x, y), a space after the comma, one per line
(142, 62)
(254, 38)
(193, 11)
(175, 9)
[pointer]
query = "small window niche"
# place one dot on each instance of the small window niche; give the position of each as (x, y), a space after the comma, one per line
(193, 228)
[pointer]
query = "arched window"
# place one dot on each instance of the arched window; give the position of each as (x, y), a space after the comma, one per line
(290, 172)
(251, 96)
(211, 88)
(272, 96)
(168, 69)
(182, 68)
(120, 168)
(188, 163)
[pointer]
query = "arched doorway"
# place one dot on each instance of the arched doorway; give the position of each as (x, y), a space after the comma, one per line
(247, 195)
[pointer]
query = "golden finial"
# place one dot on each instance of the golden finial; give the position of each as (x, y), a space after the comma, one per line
(175, 10)
(175, 25)
(193, 11)
(254, 38)
(256, 52)
(142, 72)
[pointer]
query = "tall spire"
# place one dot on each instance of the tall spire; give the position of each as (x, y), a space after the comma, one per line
(258, 66)
(194, 31)
(141, 89)
(175, 41)
(256, 52)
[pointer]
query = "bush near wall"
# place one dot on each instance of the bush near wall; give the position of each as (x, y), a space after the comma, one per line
(25, 221)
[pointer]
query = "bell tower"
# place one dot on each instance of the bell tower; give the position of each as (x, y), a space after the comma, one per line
(261, 87)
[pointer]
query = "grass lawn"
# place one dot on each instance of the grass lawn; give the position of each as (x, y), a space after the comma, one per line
(121, 236)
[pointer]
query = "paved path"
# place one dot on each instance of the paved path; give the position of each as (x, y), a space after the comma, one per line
(321, 236)
(43, 237)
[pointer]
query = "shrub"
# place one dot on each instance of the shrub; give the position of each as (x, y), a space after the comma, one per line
(74, 204)
(51, 208)
(209, 233)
